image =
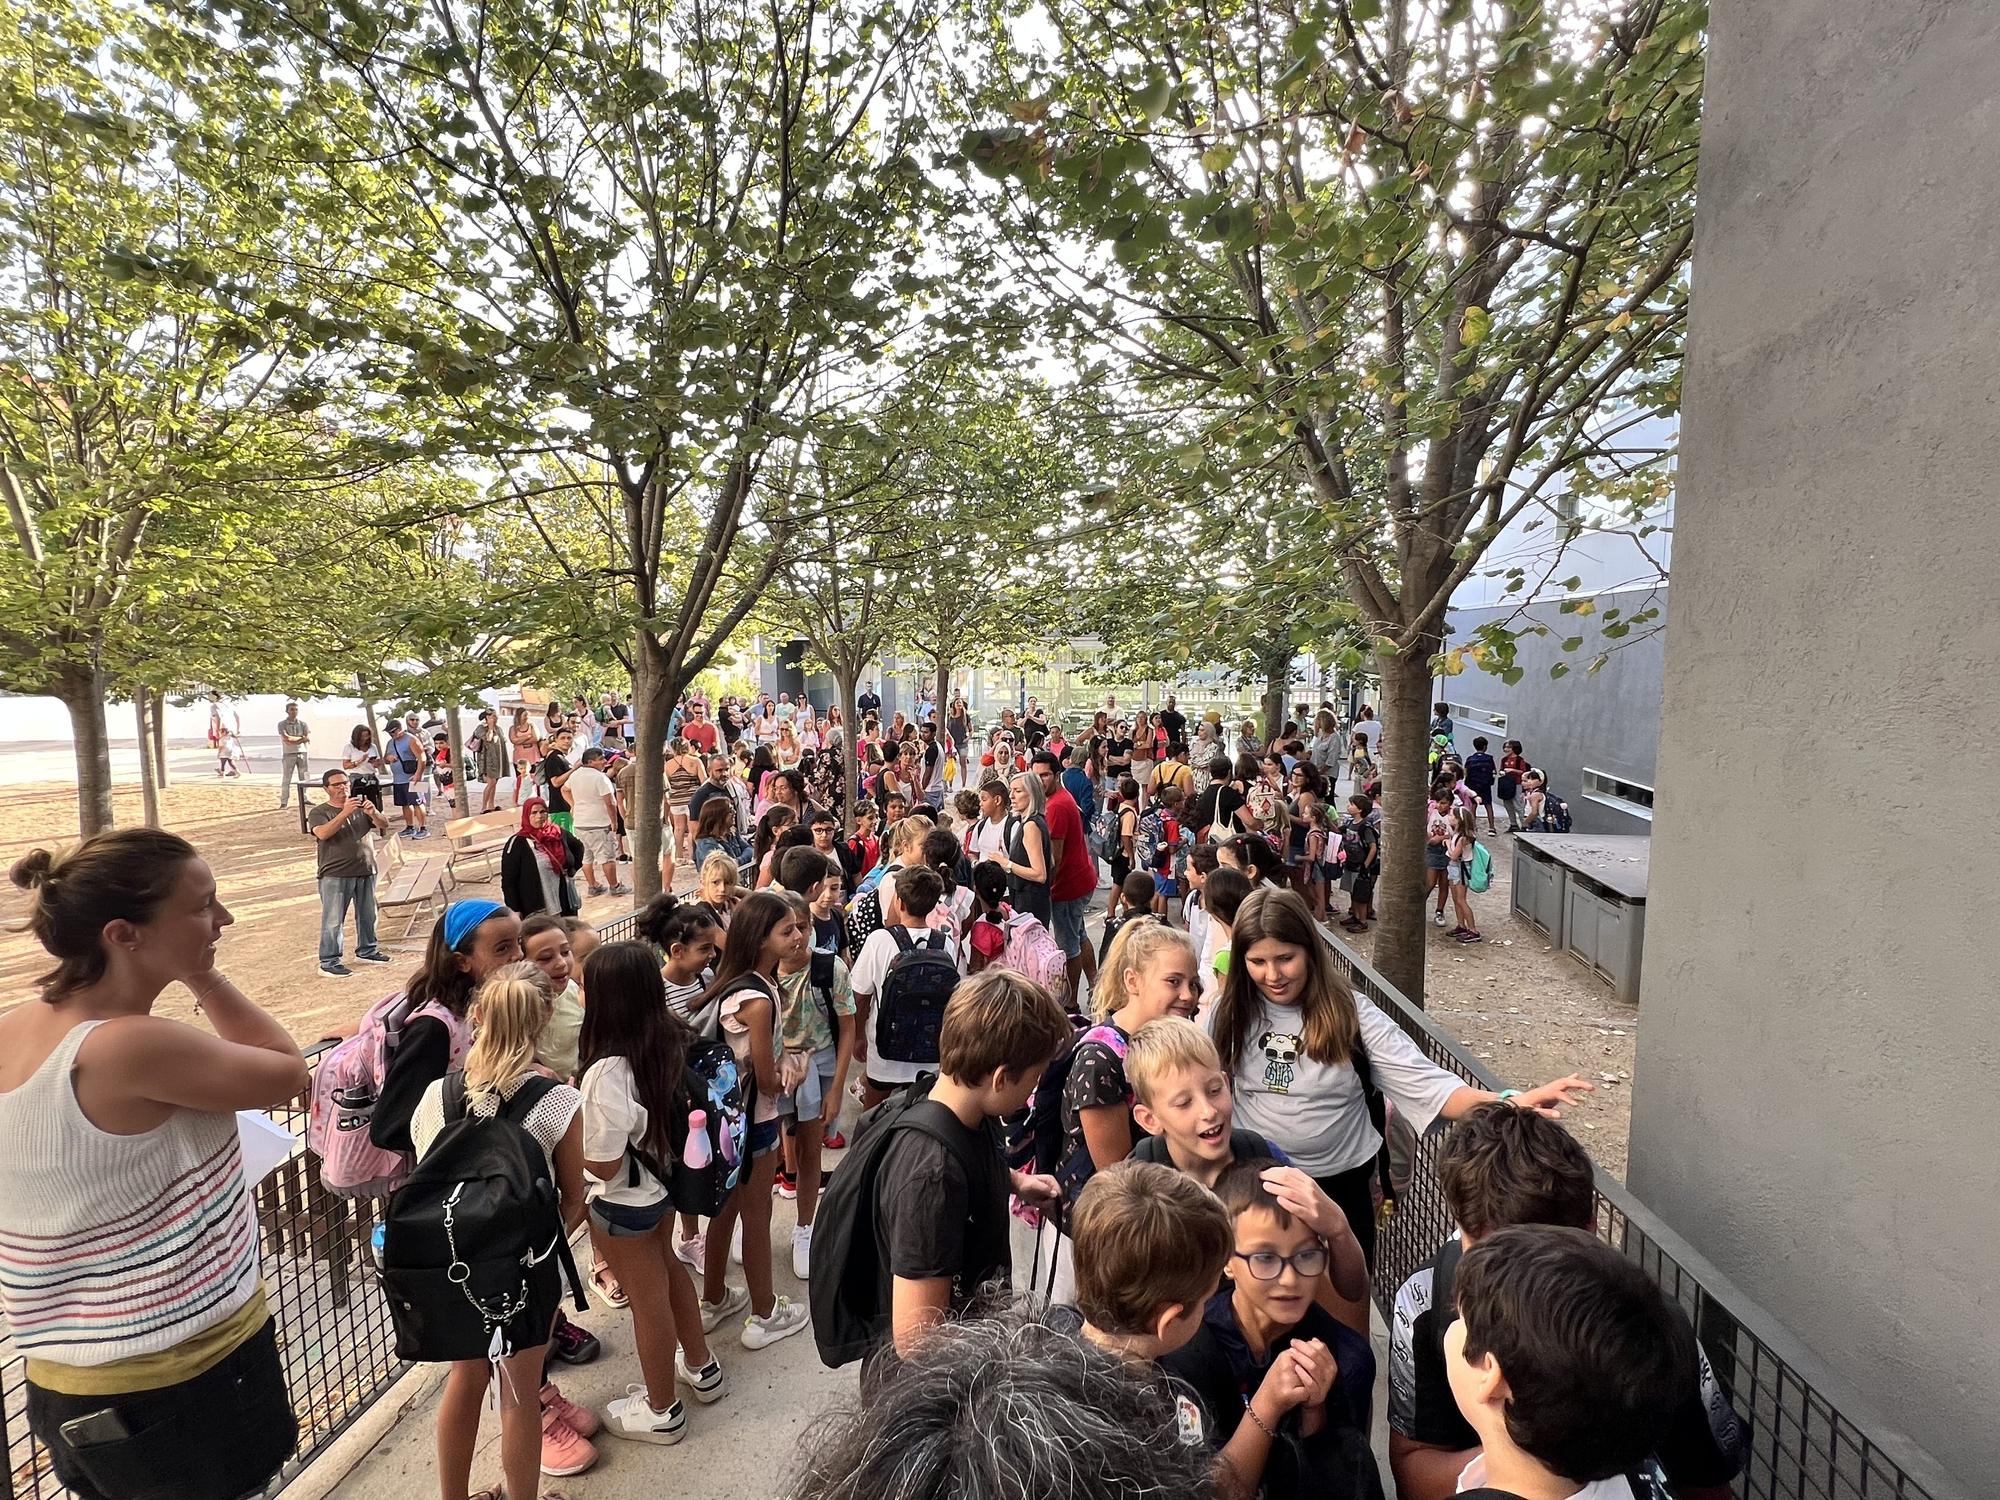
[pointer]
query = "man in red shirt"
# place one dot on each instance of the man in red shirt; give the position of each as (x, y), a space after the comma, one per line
(1075, 879)
(698, 732)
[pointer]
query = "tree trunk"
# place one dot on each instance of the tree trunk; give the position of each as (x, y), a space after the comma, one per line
(655, 688)
(943, 699)
(847, 679)
(149, 791)
(1277, 677)
(81, 690)
(1399, 894)
(461, 804)
(159, 741)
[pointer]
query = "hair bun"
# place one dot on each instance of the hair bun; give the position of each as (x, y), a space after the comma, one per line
(34, 869)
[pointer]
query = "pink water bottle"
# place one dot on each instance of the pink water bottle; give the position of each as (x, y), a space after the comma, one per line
(695, 1154)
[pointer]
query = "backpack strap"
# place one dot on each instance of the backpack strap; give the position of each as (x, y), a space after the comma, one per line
(454, 1096)
(938, 940)
(901, 935)
(1105, 1035)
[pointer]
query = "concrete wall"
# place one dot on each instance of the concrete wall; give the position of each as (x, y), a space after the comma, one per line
(1816, 1072)
(1608, 720)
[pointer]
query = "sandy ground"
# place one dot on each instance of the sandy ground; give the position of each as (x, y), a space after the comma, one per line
(1525, 1010)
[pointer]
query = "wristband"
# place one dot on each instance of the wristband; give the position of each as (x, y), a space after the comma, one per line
(1506, 1094)
(1251, 1412)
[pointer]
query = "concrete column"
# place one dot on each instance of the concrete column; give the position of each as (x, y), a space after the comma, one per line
(1816, 1073)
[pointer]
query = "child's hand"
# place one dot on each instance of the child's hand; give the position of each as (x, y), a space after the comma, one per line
(1307, 1202)
(1286, 1385)
(792, 1070)
(1037, 1190)
(1317, 1368)
(1547, 1099)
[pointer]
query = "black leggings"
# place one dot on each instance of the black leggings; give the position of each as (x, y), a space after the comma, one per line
(1354, 1192)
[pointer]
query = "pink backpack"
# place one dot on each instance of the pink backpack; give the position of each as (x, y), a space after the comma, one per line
(1032, 950)
(345, 1086)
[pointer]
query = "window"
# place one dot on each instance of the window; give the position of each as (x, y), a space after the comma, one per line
(1631, 797)
(1482, 718)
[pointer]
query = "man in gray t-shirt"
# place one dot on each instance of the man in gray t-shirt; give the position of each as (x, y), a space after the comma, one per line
(292, 737)
(340, 827)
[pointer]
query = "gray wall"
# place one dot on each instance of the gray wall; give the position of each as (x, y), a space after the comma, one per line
(1816, 1072)
(1609, 720)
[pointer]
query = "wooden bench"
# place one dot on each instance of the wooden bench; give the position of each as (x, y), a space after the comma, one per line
(481, 836)
(416, 886)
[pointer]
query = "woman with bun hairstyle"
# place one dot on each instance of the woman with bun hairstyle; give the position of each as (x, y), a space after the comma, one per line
(128, 1240)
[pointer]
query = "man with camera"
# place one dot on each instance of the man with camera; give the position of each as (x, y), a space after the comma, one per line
(340, 827)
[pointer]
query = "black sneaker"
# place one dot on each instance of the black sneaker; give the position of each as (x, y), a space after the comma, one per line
(573, 1345)
(375, 958)
(336, 971)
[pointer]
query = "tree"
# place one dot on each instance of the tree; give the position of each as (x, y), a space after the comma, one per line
(662, 224)
(1425, 260)
(164, 341)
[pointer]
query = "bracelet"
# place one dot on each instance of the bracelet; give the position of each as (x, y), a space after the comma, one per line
(1251, 1412)
(1506, 1094)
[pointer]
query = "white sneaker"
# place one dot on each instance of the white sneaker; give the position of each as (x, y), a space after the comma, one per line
(802, 1244)
(734, 1300)
(690, 1251)
(632, 1416)
(785, 1319)
(1437, 919)
(708, 1383)
(736, 1243)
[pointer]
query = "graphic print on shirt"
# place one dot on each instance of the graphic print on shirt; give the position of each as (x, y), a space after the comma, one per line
(1281, 1051)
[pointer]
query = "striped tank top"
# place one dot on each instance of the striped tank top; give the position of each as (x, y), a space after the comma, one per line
(113, 1247)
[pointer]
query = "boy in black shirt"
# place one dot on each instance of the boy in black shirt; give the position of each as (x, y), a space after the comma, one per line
(941, 1229)
(1566, 1363)
(1480, 772)
(1502, 1167)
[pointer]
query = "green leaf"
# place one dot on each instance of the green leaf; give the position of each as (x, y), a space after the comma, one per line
(1155, 96)
(1474, 326)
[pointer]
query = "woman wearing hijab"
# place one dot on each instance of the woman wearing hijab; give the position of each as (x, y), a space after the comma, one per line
(537, 865)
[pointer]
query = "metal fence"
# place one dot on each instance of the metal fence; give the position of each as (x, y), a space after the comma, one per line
(1810, 1436)
(333, 1328)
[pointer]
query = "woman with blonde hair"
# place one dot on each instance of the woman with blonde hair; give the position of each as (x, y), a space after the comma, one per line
(509, 1013)
(1025, 851)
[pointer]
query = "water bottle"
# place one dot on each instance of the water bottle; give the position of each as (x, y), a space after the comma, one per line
(695, 1154)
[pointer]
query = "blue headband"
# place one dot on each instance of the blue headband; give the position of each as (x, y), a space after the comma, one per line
(462, 916)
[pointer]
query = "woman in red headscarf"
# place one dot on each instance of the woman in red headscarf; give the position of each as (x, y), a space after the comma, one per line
(536, 865)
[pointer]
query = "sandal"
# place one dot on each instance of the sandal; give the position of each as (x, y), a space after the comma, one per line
(605, 1288)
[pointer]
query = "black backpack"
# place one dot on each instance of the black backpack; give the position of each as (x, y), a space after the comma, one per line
(472, 1239)
(909, 1012)
(849, 1292)
(1555, 813)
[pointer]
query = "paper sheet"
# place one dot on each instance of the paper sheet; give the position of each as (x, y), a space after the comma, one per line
(266, 1144)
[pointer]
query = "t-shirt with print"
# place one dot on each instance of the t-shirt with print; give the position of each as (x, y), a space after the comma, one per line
(586, 790)
(931, 1222)
(806, 1026)
(613, 1119)
(738, 1035)
(555, 764)
(871, 966)
(1096, 1078)
(1702, 1446)
(986, 840)
(1316, 1110)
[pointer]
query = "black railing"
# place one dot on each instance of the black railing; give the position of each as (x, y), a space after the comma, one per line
(1810, 1436)
(333, 1328)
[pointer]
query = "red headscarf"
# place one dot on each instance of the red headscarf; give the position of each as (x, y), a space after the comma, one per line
(548, 837)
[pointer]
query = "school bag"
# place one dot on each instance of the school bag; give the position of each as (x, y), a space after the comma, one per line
(345, 1087)
(727, 1093)
(1555, 812)
(1031, 950)
(1034, 1136)
(1479, 869)
(909, 1012)
(1103, 831)
(465, 1237)
(850, 1289)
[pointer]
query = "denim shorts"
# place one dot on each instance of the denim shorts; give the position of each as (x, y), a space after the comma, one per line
(1068, 925)
(1454, 872)
(629, 1220)
(763, 1137)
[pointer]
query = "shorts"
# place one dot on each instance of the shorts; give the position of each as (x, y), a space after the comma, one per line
(1166, 886)
(1454, 872)
(629, 1220)
(763, 1137)
(600, 845)
(1068, 925)
(809, 1098)
(1434, 857)
(1363, 893)
(404, 793)
(1120, 868)
(1485, 796)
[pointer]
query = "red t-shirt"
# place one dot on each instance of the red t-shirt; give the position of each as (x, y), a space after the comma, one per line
(702, 736)
(1077, 874)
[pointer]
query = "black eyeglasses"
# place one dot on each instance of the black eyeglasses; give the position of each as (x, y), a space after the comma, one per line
(1268, 1265)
